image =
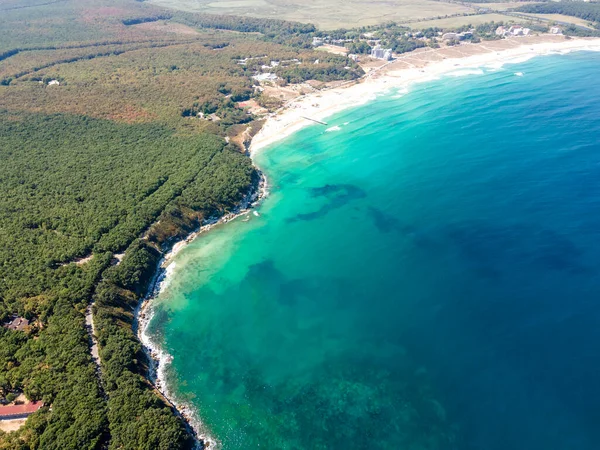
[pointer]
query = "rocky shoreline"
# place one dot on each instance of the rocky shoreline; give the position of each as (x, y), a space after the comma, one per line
(158, 359)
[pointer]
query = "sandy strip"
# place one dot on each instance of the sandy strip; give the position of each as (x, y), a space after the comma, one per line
(11, 425)
(418, 66)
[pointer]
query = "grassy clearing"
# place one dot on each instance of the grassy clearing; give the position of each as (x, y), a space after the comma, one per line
(497, 6)
(335, 49)
(563, 18)
(454, 22)
(325, 14)
(504, 6)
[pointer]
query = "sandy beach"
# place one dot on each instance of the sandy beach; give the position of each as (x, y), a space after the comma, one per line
(418, 66)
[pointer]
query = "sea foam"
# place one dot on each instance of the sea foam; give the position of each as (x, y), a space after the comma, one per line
(465, 72)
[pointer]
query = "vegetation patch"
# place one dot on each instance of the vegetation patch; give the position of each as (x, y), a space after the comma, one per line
(583, 10)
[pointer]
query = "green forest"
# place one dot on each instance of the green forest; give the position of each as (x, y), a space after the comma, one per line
(583, 10)
(74, 187)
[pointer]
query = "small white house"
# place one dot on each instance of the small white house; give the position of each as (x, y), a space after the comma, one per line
(53, 83)
(516, 30)
(555, 30)
(450, 37)
(265, 77)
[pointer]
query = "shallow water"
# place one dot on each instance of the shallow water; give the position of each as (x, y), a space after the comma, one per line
(423, 277)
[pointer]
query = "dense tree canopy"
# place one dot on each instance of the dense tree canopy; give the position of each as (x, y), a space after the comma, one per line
(583, 10)
(75, 185)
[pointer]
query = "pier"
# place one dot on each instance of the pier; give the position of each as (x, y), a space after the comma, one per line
(314, 120)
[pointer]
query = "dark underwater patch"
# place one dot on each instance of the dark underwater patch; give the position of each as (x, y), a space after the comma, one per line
(494, 249)
(383, 221)
(285, 291)
(338, 194)
(325, 190)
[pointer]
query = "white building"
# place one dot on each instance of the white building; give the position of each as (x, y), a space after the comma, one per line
(450, 37)
(53, 83)
(265, 77)
(381, 53)
(516, 30)
(555, 30)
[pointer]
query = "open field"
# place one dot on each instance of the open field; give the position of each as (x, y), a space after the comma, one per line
(562, 18)
(335, 49)
(453, 22)
(502, 6)
(325, 14)
(167, 27)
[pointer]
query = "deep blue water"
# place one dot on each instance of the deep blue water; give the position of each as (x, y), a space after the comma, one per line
(426, 277)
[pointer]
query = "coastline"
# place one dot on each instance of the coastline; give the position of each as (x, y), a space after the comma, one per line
(158, 359)
(418, 66)
(414, 67)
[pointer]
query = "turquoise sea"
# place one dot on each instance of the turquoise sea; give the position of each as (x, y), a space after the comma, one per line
(427, 276)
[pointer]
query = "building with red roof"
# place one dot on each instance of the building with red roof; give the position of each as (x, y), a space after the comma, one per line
(19, 411)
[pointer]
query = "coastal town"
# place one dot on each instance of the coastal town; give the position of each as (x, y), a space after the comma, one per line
(390, 43)
(380, 54)
(405, 69)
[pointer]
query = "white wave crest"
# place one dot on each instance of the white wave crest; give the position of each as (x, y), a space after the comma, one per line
(494, 66)
(465, 72)
(160, 361)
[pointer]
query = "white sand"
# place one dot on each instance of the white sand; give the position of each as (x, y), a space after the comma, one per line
(410, 68)
(11, 425)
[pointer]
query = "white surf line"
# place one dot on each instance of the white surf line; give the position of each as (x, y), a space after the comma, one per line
(158, 358)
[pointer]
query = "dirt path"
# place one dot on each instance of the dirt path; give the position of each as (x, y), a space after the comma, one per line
(89, 325)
